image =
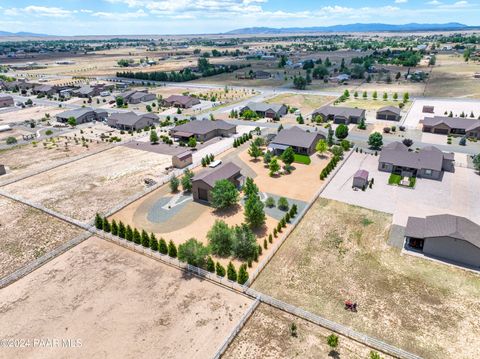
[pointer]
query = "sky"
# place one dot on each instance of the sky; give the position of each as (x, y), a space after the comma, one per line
(135, 17)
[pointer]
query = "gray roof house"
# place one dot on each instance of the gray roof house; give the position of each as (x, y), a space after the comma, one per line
(204, 182)
(130, 121)
(428, 162)
(301, 141)
(44, 90)
(203, 130)
(6, 101)
(461, 126)
(389, 113)
(82, 115)
(360, 179)
(339, 115)
(270, 110)
(453, 238)
(135, 97)
(181, 101)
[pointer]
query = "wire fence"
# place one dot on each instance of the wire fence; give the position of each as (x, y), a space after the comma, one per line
(31, 266)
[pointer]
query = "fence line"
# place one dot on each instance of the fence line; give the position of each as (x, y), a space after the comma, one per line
(298, 218)
(31, 266)
(223, 348)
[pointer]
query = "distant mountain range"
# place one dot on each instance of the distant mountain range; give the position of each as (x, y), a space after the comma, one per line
(21, 34)
(353, 28)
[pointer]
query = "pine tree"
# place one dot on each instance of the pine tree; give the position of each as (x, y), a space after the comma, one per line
(260, 250)
(172, 249)
(279, 227)
(145, 239)
(137, 238)
(270, 238)
(265, 244)
(129, 233)
(275, 232)
(162, 246)
(231, 272)
(242, 274)
(98, 221)
(106, 225)
(114, 228)
(153, 242)
(287, 217)
(121, 230)
(283, 222)
(220, 270)
(210, 265)
(293, 210)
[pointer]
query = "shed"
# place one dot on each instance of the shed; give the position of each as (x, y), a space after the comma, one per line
(204, 182)
(360, 179)
(183, 159)
(2, 170)
(389, 113)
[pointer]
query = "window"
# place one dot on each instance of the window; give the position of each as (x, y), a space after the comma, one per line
(428, 172)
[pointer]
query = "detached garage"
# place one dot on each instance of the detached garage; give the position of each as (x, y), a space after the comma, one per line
(389, 113)
(452, 238)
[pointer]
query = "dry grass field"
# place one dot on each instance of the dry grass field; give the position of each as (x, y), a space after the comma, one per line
(29, 113)
(339, 252)
(453, 77)
(26, 234)
(118, 304)
(267, 335)
(93, 184)
(305, 103)
(25, 159)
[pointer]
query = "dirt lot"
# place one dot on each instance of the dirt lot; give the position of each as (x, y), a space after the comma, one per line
(305, 103)
(26, 234)
(94, 184)
(118, 304)
(267, 335)
(29, 158)
(453, 77)
(339, 252)
(29, 113)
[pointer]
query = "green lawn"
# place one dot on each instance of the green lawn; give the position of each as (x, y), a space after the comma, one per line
(303, 159)
(396, 179)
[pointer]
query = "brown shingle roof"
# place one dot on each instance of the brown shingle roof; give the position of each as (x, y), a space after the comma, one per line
(202, 127)
(296, 137)
(212, 175)
(398, 154)
(467, 124)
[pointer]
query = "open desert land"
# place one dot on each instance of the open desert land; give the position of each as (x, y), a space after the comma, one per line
(117, 303)
(413, 88)
(305, 103)
(93, 184)
(27, 159)
(339, 252)
(27, 233)
(453, 77)
(267, 335)
(29, 113)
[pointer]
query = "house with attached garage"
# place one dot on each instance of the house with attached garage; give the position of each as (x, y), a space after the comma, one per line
(135, 97)
(6, 101)
(389, 113)
(428, 162)
(203, 130)
(82, 115)
(130, 121)
(301, 141)
(181, 101)
(345, 115)
(203, 183)
(460, 126)
(452, 238)
(268, 110)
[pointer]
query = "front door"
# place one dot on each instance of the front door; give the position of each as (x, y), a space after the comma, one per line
(202, 194)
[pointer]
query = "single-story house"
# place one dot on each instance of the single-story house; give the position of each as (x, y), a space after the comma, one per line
(345, 115)
(445, 236)
(203, 183)
(6, 101)
(181, 101)
(270, 110)
(428, 162)
(89, 91)
(389, 113)
(3, 171)
(360, 179)
(203, 130)
(182, 160)
(301, 141)
(428, 109)
(260, 74)
(134, 97)
(46, 90)
(130, 121)
(82, 115)
(461, 126)
(17, 84)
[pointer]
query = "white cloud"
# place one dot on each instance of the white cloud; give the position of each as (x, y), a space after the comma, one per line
(40, 11)
(434, 2)
(120, 15)
(401, 1)
(456, 5)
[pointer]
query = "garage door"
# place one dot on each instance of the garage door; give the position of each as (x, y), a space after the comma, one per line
(441, 131)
